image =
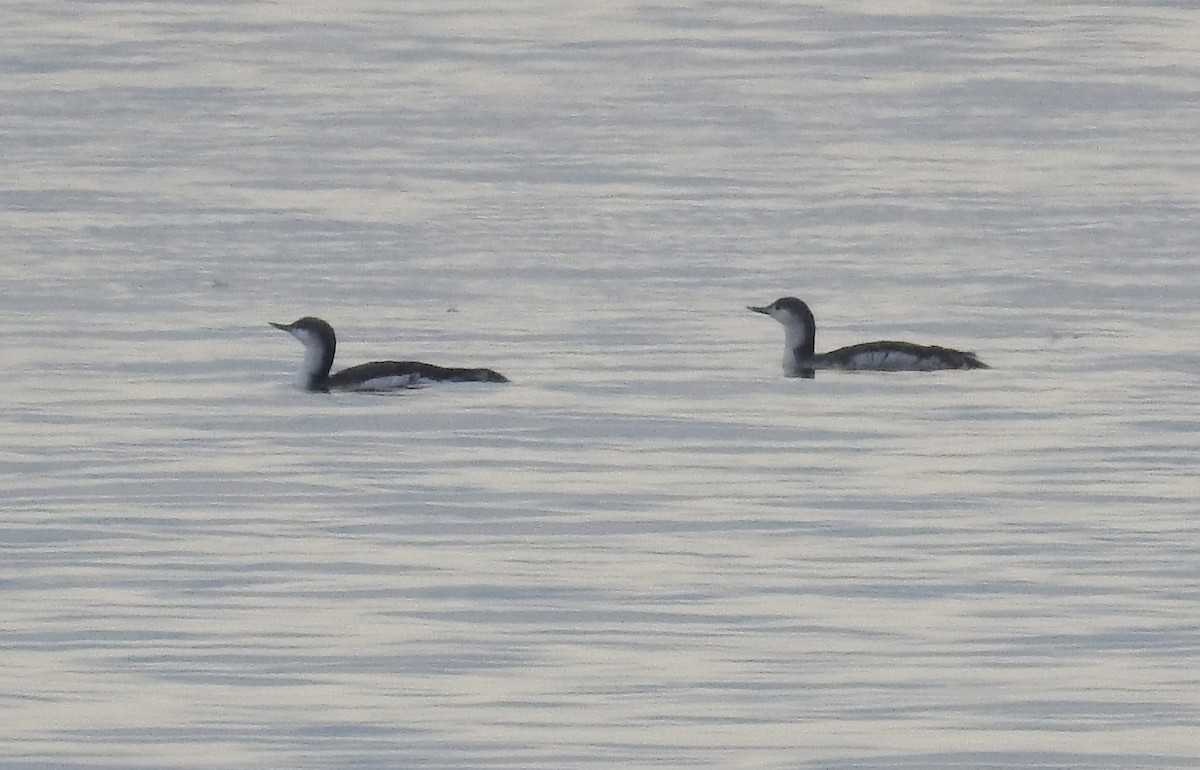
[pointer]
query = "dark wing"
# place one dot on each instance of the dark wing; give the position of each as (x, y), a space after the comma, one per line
(453, 373)
(888, 355)
(377, 375)
(956, 359)
(390, 375)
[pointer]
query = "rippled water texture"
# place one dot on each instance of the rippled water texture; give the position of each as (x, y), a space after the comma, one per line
(650, 549)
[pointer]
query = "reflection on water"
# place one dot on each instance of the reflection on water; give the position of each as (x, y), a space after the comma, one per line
(649, 548)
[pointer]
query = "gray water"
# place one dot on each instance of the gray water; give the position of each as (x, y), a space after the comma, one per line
(650, 549)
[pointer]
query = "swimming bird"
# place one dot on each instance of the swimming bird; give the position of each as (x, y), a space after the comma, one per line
(800, 358)
(320, 343)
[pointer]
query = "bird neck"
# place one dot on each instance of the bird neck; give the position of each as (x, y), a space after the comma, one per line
(318, 360)
(801, 339)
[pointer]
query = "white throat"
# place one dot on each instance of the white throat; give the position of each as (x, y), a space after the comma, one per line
(795, 334)
(314, 355)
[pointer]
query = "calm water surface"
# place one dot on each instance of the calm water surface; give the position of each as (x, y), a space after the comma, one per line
(650, 549)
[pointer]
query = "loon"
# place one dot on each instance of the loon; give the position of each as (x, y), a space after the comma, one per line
(800, 358)
(320, 343)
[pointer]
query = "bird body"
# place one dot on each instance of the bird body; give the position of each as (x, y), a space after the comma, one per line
(320, 345)
(800, 358)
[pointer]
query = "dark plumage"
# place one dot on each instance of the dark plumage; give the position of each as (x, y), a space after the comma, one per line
(801, 359)
(320, 345)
